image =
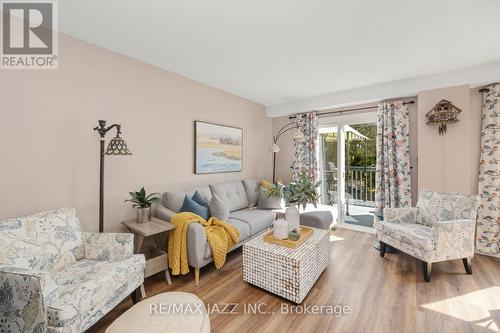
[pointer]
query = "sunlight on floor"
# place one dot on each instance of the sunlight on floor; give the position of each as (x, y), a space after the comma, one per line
(477, 307)
(334, 238)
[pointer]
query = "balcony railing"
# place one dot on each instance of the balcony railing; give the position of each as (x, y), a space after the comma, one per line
(359, 186)
(360, 183)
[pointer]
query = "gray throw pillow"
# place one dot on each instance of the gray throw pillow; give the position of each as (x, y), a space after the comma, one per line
(218, 208)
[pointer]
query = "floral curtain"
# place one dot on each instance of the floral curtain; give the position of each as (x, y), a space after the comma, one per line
(305, 155)
(488, 223)
(392, 175)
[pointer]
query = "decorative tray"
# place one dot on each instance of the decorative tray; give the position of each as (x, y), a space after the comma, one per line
(305, 233)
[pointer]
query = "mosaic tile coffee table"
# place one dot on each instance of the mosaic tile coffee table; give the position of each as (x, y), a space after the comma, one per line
(289, 273)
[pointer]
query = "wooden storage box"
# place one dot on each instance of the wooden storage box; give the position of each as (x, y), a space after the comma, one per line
(156, 260)
(286, 272)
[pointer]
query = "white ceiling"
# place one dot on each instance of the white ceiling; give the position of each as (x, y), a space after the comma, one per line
(276, 52)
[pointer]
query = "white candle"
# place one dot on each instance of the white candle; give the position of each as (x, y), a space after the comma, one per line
(280, 229)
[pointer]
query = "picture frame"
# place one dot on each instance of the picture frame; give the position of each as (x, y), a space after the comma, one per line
(218, 148)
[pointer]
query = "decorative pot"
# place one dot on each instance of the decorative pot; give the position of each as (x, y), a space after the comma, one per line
(280, 229)
(292, 216)
(143, 215)
(294, 235)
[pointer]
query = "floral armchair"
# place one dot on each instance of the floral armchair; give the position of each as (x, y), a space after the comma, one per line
(440, 228)
(56, 278)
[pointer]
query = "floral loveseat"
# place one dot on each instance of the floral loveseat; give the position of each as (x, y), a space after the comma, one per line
(56, 278)
(440, 228)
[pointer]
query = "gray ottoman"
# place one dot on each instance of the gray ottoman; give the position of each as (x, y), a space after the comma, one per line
(317, 219)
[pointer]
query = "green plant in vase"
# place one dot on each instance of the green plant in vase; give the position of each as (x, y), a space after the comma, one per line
(302, 191)
(298, 194)
(274, 191)
(143, 203)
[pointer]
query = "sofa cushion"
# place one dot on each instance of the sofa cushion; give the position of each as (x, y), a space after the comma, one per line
(198, 198)
(252, 190)
(413, 234)
(192, 206)
(88, 283)
(42, 242)
(242, 227)
(257, 219)
(445, 206)
(173, 200)
(218, 208)
(232, 193)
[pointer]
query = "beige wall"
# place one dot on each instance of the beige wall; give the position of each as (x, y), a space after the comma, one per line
(49, 152)
(450, 162)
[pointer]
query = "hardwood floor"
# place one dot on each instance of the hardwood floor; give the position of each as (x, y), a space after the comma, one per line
(384, 294)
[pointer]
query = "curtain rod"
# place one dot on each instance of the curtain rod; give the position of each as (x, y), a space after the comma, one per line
(351, 110)
(487, 87)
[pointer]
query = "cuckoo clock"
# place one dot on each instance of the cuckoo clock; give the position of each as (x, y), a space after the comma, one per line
(442, 114)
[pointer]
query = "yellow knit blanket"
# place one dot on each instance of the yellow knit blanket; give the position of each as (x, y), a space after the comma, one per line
(221, 236)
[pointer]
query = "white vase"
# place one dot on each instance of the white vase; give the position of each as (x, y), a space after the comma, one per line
(292, 216)
(280, 229)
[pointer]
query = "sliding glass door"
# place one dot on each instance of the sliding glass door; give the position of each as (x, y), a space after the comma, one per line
(347, 154)
(360, 161)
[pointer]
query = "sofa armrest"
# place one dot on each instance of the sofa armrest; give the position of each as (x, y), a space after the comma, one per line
(455, 236)
(21, 293)
(163, 213)
(196, 244)
(401, 215)
(108, 246)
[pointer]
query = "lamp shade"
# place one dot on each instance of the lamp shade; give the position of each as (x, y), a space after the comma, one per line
(274, 148)
(117, 146)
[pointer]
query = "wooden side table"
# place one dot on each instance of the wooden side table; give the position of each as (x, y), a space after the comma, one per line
(156, 258)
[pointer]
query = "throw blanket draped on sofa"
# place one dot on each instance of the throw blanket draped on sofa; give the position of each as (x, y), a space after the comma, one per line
(221, 236)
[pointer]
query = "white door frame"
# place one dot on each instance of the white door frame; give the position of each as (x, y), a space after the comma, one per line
(340, 122)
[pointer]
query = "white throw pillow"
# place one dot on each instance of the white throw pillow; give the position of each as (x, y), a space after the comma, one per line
(218, 208)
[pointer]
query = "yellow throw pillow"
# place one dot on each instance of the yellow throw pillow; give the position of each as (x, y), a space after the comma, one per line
(266, 184)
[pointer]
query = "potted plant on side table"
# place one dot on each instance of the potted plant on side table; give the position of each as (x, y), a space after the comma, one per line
(298, 194)
(143, 203)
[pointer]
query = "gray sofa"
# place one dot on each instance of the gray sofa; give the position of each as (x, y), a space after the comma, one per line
(241, 197)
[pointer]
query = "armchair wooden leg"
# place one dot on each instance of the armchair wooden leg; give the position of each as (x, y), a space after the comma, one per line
(427, 271)
(197, 276)
(467, 265)
(383, 248)
(136, 296)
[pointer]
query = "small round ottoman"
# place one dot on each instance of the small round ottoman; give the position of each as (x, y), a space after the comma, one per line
(168, 312)
(321, 219)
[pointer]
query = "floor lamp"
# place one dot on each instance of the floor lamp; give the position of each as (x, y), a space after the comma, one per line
(275, 148)
(117, 146)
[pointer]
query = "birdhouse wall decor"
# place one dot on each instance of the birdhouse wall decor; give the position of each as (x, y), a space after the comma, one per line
(442, 114)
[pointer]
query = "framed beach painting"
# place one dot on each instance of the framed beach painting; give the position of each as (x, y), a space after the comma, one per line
(217, 148)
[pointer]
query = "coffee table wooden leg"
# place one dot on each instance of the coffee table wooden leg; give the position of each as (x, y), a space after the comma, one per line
(157, 241)
(140, 240)
(143, 291)
(167, 273)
